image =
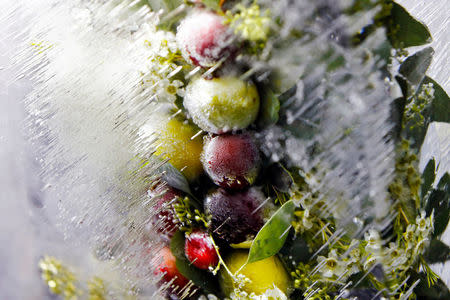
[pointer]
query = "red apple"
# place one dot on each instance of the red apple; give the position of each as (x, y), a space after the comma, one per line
(231, 161)
(204, 39)
(168, 269)
(200, 251)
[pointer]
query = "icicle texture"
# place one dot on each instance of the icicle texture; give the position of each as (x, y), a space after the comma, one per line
(92, 123)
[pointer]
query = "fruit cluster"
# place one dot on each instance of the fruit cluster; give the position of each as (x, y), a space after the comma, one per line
(223, 106)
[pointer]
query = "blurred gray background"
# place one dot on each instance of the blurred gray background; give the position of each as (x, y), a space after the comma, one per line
(19, 247)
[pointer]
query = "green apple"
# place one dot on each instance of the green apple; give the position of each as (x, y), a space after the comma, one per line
(263, 274)
(222, 104)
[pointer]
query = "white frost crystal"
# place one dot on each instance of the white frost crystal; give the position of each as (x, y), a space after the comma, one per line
(270, 294)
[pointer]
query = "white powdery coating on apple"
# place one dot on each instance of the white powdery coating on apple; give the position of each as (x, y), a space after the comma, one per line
(203, 38)
(222, 104)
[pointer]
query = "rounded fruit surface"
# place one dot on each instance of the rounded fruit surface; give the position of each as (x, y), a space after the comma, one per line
(235, 217)
(204, 39)
(169, 270)
(222, 104)
(264, 274)
(165, 221)
(231, 161)
(176, 144)
(200, 250)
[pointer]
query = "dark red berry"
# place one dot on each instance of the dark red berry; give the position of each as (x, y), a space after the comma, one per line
(204, 39)
(169, 272)
(165, 220)
(231, 161)
(236, 217)
(200, 251)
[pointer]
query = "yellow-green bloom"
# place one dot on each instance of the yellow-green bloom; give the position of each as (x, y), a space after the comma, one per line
(424, 224)
(250, 23)
(373, 241)
(395, 256)
(332, 266)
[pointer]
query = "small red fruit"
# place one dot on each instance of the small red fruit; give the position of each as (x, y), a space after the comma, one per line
(200, 251)
(204, 38)
(231, 161)
(169, 270)
(165, 221)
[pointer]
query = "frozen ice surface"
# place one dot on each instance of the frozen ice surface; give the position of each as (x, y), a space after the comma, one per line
(62, 191)
(437, 146)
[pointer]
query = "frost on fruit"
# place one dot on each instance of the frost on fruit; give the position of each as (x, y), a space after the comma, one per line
(222, 104)
(261, 276)
(174, 140)
(204, 39)
(93, 122)
(236, 217)
(231, 161)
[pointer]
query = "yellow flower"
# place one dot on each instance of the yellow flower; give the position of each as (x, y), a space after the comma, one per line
(250, 23)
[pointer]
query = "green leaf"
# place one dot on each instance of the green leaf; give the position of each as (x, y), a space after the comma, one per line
(438, 202)
(428, 176)
(270, 107)
(200, 278)
(405, 87)
(177, 245)
(440, 107)
(270, 239)
(397, 110)
(404, 30)
(213, 4)
(438, 291)
(415, 66)
(437, 252)
(174, 177)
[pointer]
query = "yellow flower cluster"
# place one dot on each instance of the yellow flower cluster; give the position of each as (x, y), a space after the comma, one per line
(250, 23)
(60, 280)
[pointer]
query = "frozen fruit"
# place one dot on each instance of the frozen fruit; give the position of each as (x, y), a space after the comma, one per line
(235, 217)
(204, 39)
(263, 274)
(169, 272)
(231, 161)
(200, 251)
(165, 221)
(177, 141)
(222, 104)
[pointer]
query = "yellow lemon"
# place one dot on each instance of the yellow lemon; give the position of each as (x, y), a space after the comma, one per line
(263, 274)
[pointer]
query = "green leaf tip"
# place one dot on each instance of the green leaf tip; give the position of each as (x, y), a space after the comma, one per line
(272, 236)
(404, 30)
